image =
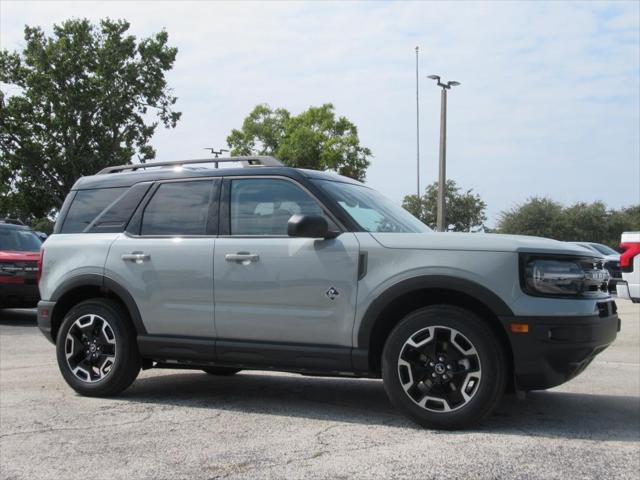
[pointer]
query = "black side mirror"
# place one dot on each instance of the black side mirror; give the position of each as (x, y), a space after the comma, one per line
(309, 226)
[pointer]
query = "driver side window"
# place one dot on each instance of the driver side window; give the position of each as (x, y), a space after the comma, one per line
(264, 206)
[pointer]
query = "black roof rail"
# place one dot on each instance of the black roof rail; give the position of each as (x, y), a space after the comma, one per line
(248, 161)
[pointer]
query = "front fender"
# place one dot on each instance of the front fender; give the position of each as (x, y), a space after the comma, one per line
(472, 289)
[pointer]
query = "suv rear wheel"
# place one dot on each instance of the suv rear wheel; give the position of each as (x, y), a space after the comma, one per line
(96, 348)
(443, 367)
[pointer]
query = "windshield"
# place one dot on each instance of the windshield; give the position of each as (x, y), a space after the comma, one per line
(19, 240)
(603, 249)
(371, 210)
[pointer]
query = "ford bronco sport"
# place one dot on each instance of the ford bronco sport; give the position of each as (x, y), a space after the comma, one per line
(171, 265)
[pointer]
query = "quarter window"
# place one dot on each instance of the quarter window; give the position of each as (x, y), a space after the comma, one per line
(86, 206)
(264, 206)
(178, 208)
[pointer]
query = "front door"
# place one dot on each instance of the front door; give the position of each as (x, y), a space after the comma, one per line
(168, 266)
(273, 288)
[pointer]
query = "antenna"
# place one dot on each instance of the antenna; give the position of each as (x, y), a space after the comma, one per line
(215, 152)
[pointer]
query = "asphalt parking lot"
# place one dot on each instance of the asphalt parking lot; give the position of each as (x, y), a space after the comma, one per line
(187, 425)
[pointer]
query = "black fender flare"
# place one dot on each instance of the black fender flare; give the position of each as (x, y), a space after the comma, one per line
(105, 284)
(467, 287)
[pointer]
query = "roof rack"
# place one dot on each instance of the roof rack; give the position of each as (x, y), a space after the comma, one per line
(250, 161)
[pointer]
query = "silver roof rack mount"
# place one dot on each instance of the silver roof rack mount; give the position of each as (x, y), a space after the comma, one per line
(251, 161)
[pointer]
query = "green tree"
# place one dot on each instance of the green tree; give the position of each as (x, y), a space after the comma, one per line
(623, 220)
(315, 139)
(75, 102)
(465, 210)
(541, 217)
(587, 222)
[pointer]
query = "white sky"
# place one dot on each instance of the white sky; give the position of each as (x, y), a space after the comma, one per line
(549, 102)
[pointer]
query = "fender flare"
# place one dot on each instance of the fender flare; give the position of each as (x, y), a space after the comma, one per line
(106, 285)
(467, 287)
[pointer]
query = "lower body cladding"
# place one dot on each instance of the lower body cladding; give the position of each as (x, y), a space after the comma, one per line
(553, 350)
(19, 295)
(189, 352)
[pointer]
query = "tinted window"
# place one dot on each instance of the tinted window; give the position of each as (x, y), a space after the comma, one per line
(264, 206)
(19, 240)
(178, 208)
(87, 205)
(115, 218)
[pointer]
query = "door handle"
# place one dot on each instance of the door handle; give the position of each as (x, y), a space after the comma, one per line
(137, 257)
(242, 257)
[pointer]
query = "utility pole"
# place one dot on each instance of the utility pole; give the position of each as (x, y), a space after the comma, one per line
(442, 175)
(417, 129)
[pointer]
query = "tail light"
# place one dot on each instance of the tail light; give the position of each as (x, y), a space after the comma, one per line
(40, 260)
(631, 250)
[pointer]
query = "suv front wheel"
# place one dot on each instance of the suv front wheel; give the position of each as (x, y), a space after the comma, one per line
(443, 367)
(96, 348)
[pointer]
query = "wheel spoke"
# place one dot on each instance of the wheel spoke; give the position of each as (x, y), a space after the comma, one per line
(90, 348)
(439, 369)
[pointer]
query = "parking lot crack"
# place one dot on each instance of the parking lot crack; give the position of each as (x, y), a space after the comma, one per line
(67, 429)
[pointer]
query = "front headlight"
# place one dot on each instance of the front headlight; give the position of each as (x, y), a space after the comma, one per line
(563, 277)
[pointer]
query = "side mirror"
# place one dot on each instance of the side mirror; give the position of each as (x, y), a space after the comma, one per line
(309, 226)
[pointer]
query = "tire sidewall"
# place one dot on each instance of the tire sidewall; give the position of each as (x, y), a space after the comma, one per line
(126, 349)
(493, 364)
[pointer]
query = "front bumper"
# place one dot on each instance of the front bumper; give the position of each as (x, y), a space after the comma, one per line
(556, 349)
(45, 311)
(19, 295)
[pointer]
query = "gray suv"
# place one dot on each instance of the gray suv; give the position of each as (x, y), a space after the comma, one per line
(175, 265)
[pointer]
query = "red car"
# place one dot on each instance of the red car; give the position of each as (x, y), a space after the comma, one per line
(19, 257)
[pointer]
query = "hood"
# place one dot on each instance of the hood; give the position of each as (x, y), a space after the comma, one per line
(489, 242)
(10, 255)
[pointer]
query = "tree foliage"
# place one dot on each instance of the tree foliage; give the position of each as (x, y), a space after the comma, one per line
(315, 139)
(75, 102)
(465, 211)
(587, 222)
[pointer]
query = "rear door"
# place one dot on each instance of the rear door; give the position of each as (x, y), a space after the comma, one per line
(165, 259)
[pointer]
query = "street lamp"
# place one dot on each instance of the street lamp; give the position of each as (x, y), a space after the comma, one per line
(442, 176)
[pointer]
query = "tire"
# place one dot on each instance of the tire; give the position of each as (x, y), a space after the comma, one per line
(96, 348)
(635, 300)
(225, 371)
(474, 362)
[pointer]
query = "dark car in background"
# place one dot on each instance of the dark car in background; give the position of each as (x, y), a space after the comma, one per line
(19, 258)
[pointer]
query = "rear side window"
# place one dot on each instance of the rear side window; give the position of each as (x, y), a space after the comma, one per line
(117, 215)
(178, 208)
(86, 206)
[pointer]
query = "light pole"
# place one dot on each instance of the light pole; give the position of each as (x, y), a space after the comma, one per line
(417, 129)
(442, 174)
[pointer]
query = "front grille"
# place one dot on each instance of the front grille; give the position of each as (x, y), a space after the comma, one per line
(596, 275)
(26, 269)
